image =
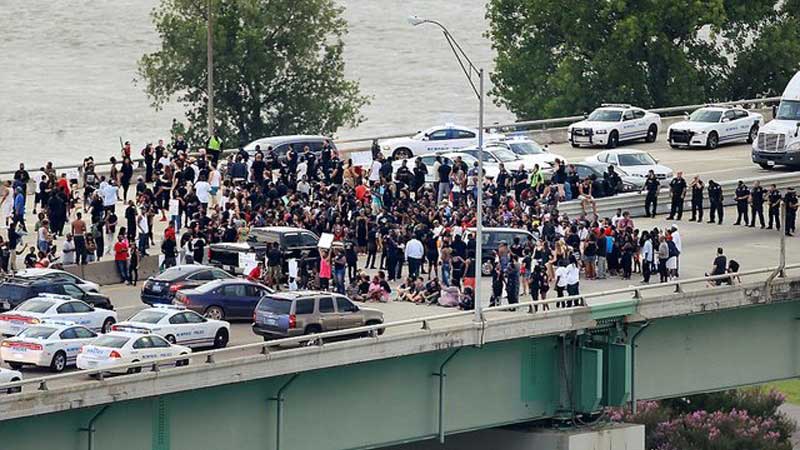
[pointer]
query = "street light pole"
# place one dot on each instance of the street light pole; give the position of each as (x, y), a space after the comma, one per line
(469, 68)
(210, 67)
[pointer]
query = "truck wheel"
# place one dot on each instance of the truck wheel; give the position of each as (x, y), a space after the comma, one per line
(753, 135)
(375, 322)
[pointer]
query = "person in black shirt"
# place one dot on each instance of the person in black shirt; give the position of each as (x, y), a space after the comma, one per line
(444, 181)
(326, 155)
(677, 187)
(790, 202)
(697, 199)
(720, 266)
(715, 200)
(613, 180)
(420, 171)
(149, 158)
(742, 195)
(21, 178)
(774, 201)
(756, 204)
(651, 185)
(180, 145)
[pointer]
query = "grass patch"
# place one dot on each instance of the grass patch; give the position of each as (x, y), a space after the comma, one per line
(789, 388)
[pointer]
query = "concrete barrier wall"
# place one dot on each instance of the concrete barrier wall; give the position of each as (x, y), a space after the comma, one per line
(105, 272)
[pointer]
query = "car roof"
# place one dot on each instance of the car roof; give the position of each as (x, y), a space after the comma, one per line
(55, 298)
(279, 229)
(294, 295)
(278, 140)
(623, 151)
(37, 272)
(126, 334)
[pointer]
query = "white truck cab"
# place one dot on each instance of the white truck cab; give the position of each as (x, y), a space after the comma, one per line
(778, 142)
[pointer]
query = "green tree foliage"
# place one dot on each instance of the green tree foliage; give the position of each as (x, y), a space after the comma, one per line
(278, 67)
(566, 57)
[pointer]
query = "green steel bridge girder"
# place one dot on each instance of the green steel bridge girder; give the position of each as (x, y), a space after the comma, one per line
(377, 403)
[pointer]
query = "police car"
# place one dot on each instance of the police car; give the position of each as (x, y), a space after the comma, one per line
(10, 376)
(614, 123)
(52, 343)
(118, 348)
(434, 139)
(56, 307)
(178, 326)
(713, 125)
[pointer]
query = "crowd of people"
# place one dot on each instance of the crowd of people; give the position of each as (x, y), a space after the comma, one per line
(386, 220)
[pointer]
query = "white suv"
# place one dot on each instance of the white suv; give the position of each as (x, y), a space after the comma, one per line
(434, 139)
(713, 125)
(612, 123)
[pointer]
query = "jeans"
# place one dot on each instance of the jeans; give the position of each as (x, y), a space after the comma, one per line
(122, 268)
(144, 239)
(413, 267)
(339, 275)
(446, 274)
(601, 267)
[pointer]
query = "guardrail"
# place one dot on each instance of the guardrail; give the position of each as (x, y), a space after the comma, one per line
(506, 127)
(374, 331)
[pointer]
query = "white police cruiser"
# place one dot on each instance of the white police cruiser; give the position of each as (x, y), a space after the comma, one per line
(713, 125)
(178, 325)
(614, 123)
(52, 343)
(434, 139)
(117, 348)
(56, 307)
(10, 376)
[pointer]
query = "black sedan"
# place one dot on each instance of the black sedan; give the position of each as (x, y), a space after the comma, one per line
(161, 288)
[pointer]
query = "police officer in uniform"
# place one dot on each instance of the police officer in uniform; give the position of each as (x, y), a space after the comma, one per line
(651, 185)
(677, 188)
(697, 199)
(757, 204)
(715, 200)
(742, 194)
(790, 200)
(774, 201)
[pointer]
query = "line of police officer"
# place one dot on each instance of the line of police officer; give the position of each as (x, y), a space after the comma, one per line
(749, 202)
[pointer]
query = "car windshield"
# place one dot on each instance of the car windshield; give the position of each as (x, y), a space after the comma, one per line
(635, 159)
(148, 316)
(705, 115)
(605, 115)
(526, 148)
(110, 341)
(789, 110)
(36, 306)
(173, 273)
(37, 332)
(505, 155)
(275, 305)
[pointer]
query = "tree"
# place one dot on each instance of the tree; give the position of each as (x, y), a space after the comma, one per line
(278, 67)
(563, 58)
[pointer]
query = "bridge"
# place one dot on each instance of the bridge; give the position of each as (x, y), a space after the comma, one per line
(432, 376)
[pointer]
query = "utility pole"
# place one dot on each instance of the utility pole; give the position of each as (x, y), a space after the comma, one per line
(210, 68)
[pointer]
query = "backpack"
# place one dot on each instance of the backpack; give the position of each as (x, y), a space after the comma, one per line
(673, 249)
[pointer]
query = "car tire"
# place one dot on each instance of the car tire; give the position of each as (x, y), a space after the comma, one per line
(14, 390)
(107, 325)
(59, 362)
(486, 269)
(652, 134)
(753, 135)
(676, 147)
(372, 323)
(712, 141)
(171, 339)
(402, 153)
(765, 166)
(133, 370)
(215, 313)
(15, 366)
(310, 330)
(574, 145)
(613, 140)
(221, 338)
(182, 362)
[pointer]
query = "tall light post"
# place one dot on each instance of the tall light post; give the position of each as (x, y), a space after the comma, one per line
(469, 69)
(210, 67)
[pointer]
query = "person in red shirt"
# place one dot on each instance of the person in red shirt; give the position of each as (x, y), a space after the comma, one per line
(256, 273)
(362, 191)
(121, 257)
(63, 184)
(169, 233)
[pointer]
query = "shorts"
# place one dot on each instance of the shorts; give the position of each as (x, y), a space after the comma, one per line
(214, 190)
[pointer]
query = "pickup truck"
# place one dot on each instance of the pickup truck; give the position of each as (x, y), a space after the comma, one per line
(294, 243)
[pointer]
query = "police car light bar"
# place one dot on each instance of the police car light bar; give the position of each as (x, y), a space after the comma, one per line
(615, 105)
(130, 329)
(65, 323)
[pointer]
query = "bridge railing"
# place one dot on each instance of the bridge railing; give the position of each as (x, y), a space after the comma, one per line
(424, 324)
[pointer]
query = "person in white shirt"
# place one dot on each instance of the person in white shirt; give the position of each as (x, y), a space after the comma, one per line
(648, 257)
(143, 229)
(561, 282)
(303, 187)
(676, 239)
(215, 180)
(110, 195)
(573, 280)
(375, 171)
(415, 252)
(203, 190)
(68, 249)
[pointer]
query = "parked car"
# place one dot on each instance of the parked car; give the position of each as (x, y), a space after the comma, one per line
(57, 276)
(293, 242)
(223, 299)
(118, 348)
(178, 326)
(161, 289)
(713, 125)
(446, 137)
(55, 307)
(495, 155)
(427, 160)
(633, 162)
(492, 237)
(598, 169)
(15, 290)
(297, 313)
(54, 344)
(490, 169)
(614, 123)
(10, 376)
(280, 144)
(530, 151)
(778, 142)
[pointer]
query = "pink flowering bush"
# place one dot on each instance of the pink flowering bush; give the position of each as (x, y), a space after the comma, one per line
(732, 420)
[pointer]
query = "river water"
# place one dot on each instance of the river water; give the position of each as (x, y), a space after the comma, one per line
(67, 89)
